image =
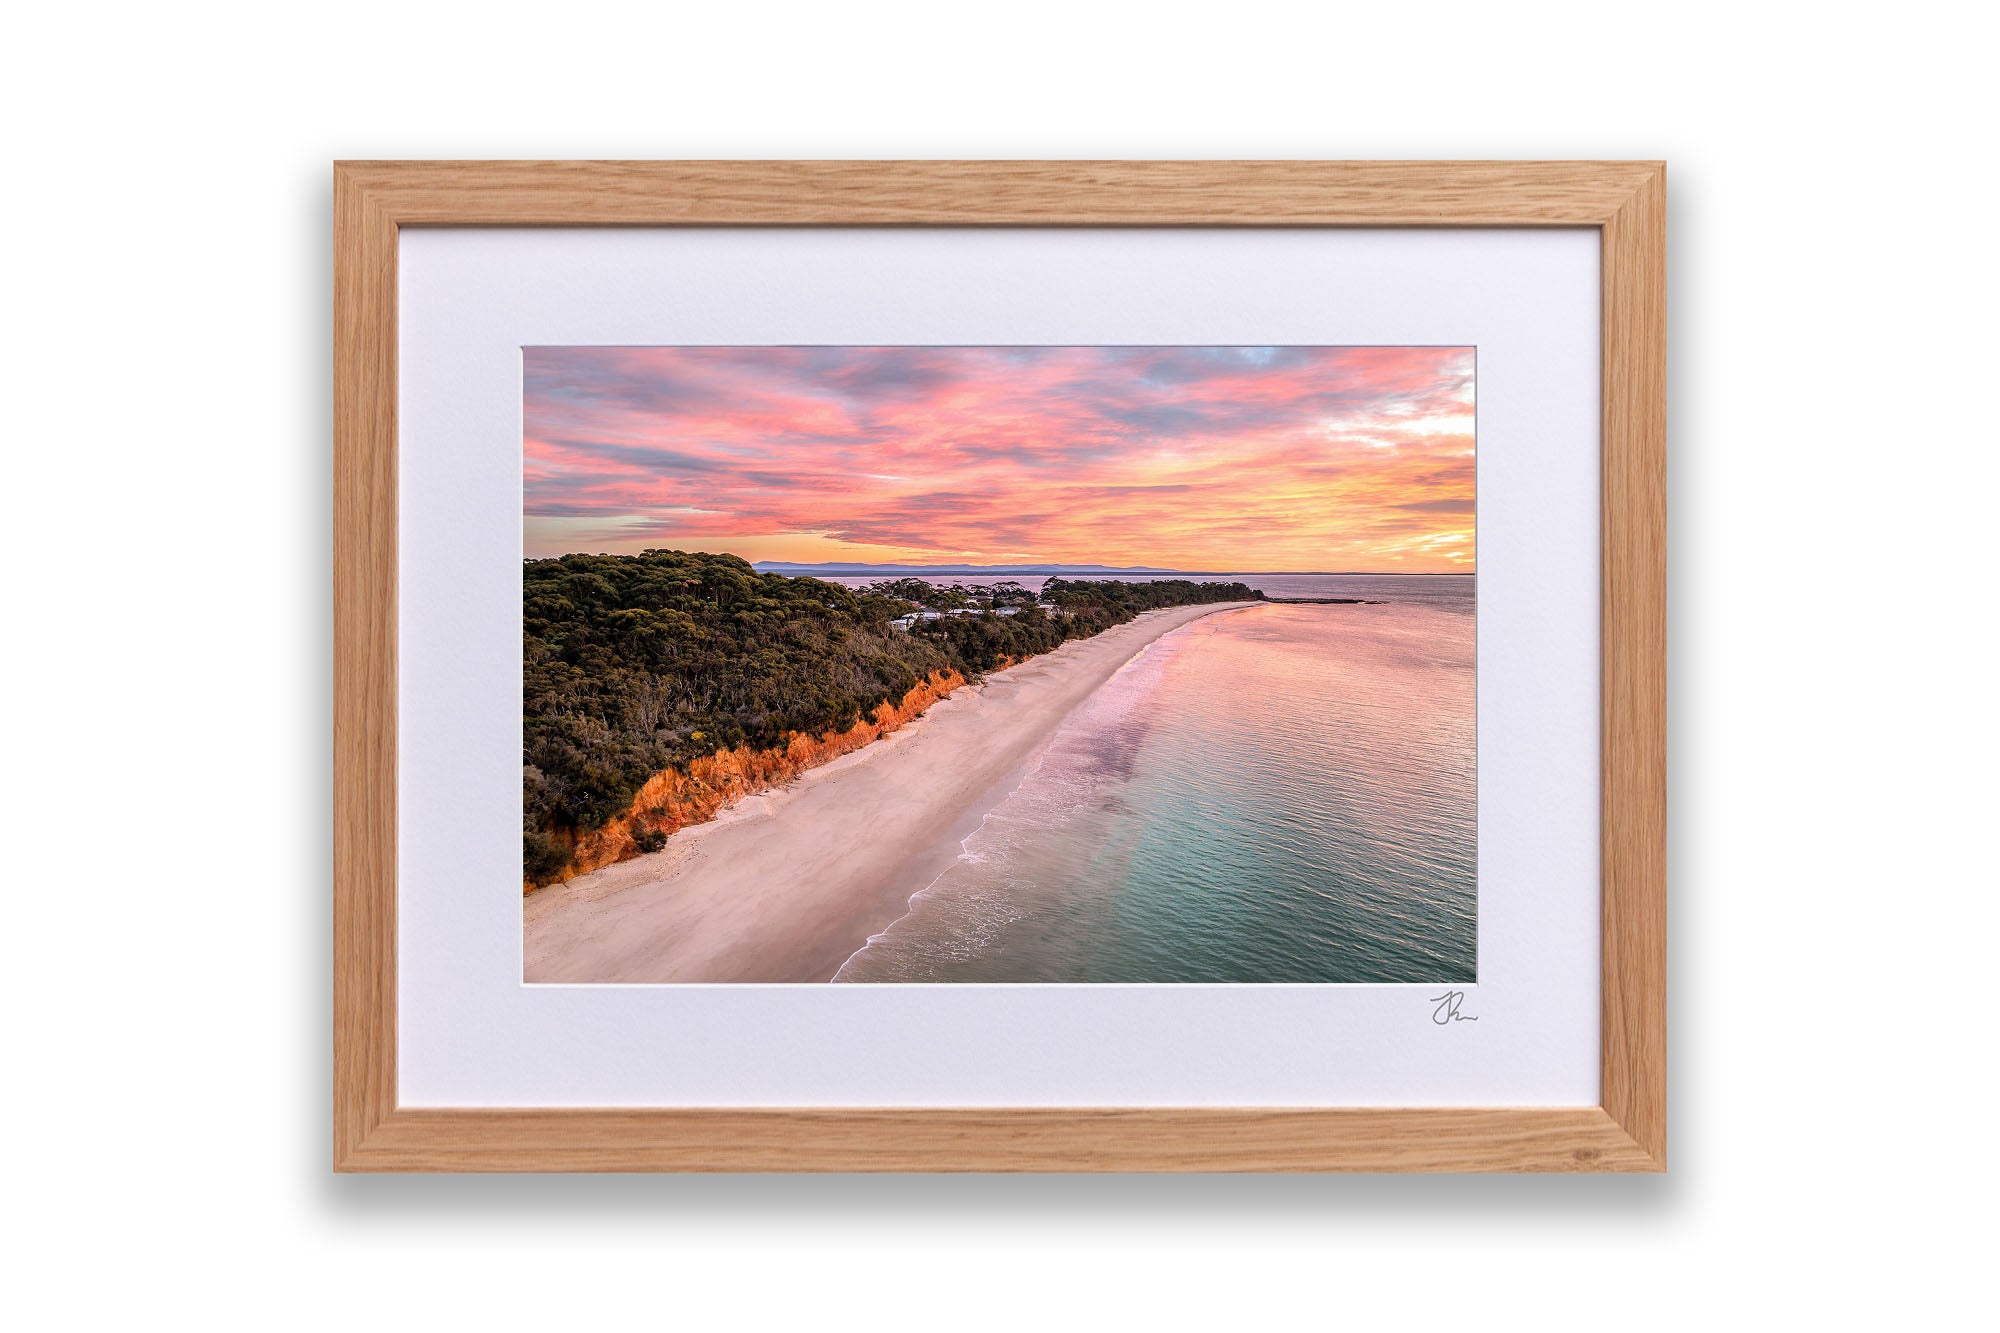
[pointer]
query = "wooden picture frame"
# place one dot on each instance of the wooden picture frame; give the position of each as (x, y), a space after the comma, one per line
(1624, 201)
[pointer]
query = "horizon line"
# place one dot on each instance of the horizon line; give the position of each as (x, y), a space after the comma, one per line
(1027, 565)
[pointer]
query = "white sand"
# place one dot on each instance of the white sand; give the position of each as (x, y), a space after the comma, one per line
(787, 884)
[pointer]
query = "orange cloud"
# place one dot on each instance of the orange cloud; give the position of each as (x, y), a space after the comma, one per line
(1200, 458)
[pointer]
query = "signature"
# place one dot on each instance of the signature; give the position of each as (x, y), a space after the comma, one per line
(1447, 1009)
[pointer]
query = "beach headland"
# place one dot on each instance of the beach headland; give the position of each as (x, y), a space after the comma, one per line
(785, 885)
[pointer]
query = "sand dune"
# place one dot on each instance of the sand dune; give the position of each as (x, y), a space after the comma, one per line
(785, 885)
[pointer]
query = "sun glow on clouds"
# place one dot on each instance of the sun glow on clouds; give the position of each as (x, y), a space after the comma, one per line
(1201, 458)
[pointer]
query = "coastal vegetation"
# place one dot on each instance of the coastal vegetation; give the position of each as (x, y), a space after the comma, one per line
(656, 688)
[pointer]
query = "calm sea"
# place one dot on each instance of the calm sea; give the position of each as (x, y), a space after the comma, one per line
(1278, 794)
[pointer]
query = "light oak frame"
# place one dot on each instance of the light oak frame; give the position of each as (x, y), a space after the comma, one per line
(1625, 201)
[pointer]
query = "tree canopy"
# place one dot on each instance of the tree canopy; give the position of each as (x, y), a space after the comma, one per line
(636, 664)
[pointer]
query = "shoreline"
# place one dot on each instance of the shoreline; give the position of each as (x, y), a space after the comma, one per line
(746, 897)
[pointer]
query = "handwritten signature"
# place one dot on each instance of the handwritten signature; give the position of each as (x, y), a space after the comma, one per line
(1447, 1009)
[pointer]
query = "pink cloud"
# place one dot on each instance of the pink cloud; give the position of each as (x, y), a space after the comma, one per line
(1192, 457)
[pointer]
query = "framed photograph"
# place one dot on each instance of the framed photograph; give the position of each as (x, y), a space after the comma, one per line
(999, 666)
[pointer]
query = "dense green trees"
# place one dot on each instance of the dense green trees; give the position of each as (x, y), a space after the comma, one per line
(1114, 601)
(634, 664)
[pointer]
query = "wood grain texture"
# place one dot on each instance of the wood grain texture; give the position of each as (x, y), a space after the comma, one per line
(1027, 1139)
(1633, 702)
(1057, 194)
(364, 665)
(1626, 200)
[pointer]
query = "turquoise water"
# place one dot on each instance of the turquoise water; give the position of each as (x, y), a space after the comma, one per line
(1278, 794)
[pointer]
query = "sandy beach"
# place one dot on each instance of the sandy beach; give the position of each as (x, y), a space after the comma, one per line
(785, 885)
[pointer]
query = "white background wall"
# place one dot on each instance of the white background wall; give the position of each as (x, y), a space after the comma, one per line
(167, 645)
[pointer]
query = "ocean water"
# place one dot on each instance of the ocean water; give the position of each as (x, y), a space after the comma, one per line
(1277, 794)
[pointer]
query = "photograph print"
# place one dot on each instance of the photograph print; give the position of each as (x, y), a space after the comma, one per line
(999, 664)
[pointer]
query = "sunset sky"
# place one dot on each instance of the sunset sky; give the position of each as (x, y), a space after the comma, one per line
(1199, 458)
